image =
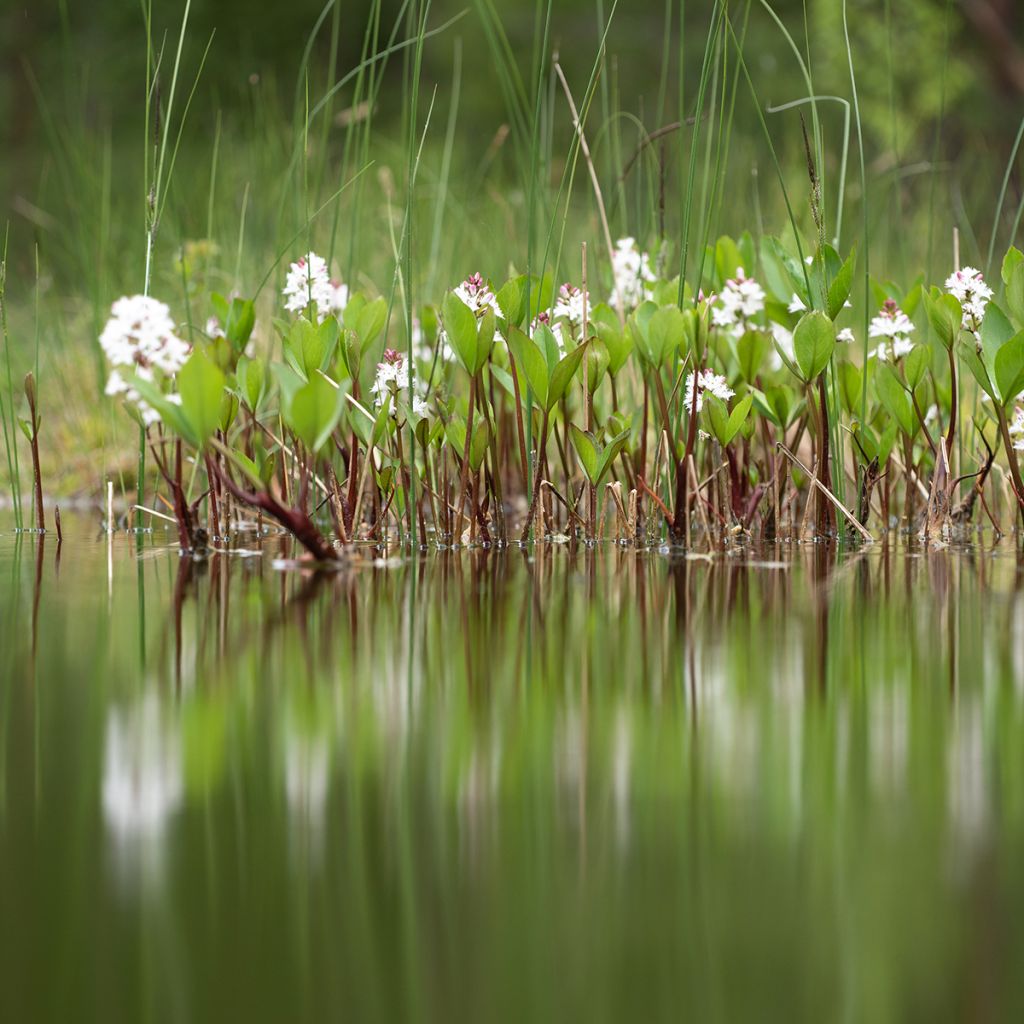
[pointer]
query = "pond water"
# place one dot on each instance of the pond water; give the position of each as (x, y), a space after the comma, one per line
(782, 784)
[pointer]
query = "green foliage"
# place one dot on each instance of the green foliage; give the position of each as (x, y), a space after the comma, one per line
(726, 425)
(596, 458)
(313, 411)
(814, 341)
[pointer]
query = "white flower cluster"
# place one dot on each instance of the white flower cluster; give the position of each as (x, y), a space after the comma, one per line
(393, 377)
(895, 326)
(572, 305)
(969, 287)
(741, 299)
(706, 380)
(632, 272)
(1017, 428)
(475, 293)
(309, 280)
(140, 338)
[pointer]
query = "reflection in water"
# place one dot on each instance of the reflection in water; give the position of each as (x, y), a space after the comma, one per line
(306, 778)
(542, 785)
(143, 785)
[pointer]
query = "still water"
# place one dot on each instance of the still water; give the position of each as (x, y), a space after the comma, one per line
(780, 784)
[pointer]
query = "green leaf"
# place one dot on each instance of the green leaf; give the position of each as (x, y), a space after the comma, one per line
(484, 340)
(562, 375)
(996, 331)
(597, 364)
(201, 385)
(914, 365)
(725, 425)
(460, 324)
(228, 409)
(814, 341)
(738, 417)
(851, 382)
(304, 347)
(665, 331)
(1009, 368)
(610, 453)
(1015, 293)
(531, 362)
(370, 321)
(751, 349)
(1013, 258)
(288, 381)
(716, 413)
(969, 355)
(839, 289)
(727, 258)
(587, 449)
(945, 316)
(251, 376)
(894, 398)
(478, 446)
(240, 321)
(511, 299)
(618, 342)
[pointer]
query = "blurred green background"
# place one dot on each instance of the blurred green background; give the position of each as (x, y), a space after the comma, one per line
(939, 82)
(68, 68)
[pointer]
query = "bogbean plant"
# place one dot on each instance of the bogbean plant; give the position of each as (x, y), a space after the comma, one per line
(745, 409)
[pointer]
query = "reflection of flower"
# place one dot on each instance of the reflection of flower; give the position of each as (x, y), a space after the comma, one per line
(142, 773)
(306, 777)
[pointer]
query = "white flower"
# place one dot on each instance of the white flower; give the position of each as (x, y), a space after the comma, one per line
(894, 325)
(309, 281)
(845, 336)
(571, 305)
(969, 287)
(1017, 428)
(420, 408)
(475, 294)
(392, 376)
(213, 328)
(741, 299)
(796, 304)
(139, 338)
(631, 270)
(707, 380)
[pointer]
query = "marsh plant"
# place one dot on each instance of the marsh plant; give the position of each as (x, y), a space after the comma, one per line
(521, 408)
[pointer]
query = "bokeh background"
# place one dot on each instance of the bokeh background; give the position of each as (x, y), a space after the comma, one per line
(940, 86)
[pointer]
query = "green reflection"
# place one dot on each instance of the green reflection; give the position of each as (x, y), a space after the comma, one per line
(783, 784)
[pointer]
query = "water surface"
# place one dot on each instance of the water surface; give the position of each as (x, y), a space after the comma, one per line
(781, 784)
